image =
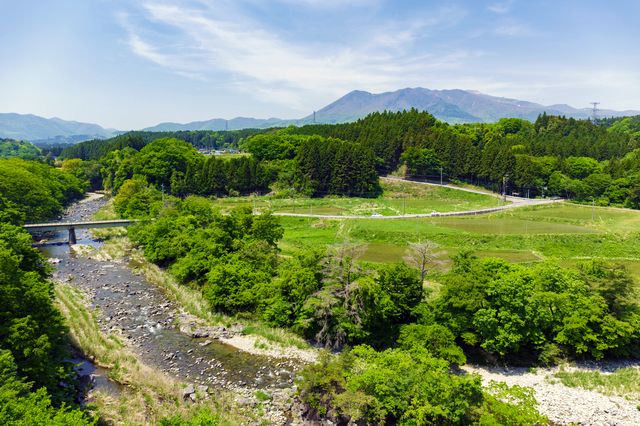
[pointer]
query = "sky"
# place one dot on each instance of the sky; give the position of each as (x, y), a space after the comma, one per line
(129, 64)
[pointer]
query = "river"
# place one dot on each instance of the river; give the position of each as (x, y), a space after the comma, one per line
(145, 318)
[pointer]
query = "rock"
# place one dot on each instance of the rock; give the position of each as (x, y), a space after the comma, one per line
(199, 333)
(203, 388)
(247, 401)
(237, 328)
(188, 391)
(205, 343)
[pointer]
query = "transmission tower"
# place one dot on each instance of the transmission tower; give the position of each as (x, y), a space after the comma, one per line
(594, 112)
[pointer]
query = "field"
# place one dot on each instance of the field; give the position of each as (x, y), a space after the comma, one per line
(398, 198)
(562, 232)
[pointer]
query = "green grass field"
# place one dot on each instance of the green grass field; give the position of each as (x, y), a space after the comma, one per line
(398, 198)
(562, 232)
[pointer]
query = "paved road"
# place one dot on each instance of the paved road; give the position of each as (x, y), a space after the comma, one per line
(513, 203)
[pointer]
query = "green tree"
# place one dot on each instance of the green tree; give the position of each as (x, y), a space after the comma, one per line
(421, 162)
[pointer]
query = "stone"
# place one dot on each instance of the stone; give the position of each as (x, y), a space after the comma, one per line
(188, 391)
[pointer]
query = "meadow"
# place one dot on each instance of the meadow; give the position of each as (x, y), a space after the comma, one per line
(563, 232)
(398, 198)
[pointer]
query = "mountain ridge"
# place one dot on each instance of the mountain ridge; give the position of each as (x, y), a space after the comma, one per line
(450, 105)
(33, 128)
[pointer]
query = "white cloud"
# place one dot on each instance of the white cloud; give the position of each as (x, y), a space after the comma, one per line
(501, 7)
(210, 39)
(514, 29)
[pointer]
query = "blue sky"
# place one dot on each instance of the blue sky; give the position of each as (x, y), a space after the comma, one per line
(131, 64)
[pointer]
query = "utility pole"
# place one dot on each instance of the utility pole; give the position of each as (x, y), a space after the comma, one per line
(594, 112)
(504, 187)
(314, 117)
(440, 175)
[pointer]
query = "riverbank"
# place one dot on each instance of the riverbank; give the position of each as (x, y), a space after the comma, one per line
(565, 405)
(134, 392)
(137, 325)
(196, 315)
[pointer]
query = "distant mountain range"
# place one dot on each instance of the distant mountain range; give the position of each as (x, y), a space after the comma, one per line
(49, 130)
(453, 106)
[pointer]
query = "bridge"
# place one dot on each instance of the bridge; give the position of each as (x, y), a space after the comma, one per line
(35, 228)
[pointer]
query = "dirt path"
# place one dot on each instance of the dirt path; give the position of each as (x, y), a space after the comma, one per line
(562, 404)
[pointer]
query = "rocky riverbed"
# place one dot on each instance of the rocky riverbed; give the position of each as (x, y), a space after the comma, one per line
(165, 337)
(566, 405)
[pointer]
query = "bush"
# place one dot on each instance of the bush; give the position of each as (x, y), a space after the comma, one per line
(545, 310)
(407, 388)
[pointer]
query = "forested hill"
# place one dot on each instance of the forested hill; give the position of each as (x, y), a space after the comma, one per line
(11, 148)
(562, 156)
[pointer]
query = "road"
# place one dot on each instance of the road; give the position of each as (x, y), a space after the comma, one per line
(514, 202)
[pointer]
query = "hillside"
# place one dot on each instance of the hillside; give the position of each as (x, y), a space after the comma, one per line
(34, 128)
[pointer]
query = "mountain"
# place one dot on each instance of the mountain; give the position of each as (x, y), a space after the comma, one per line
(34, 128)
(453, 106)
(220, 124)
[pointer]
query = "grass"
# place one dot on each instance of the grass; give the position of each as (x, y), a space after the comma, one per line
(147, 395)
(624, 382)
(398, 198)
(562, 232)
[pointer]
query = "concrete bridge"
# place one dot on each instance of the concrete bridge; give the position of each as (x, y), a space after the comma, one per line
(35, 228)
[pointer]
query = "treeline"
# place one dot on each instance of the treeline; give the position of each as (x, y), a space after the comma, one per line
(10, 148)
(553, 156)
(175, 167)
(315, 165)
(37, 190)
(208, 139)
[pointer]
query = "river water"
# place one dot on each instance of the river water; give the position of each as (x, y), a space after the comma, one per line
(140, 313)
